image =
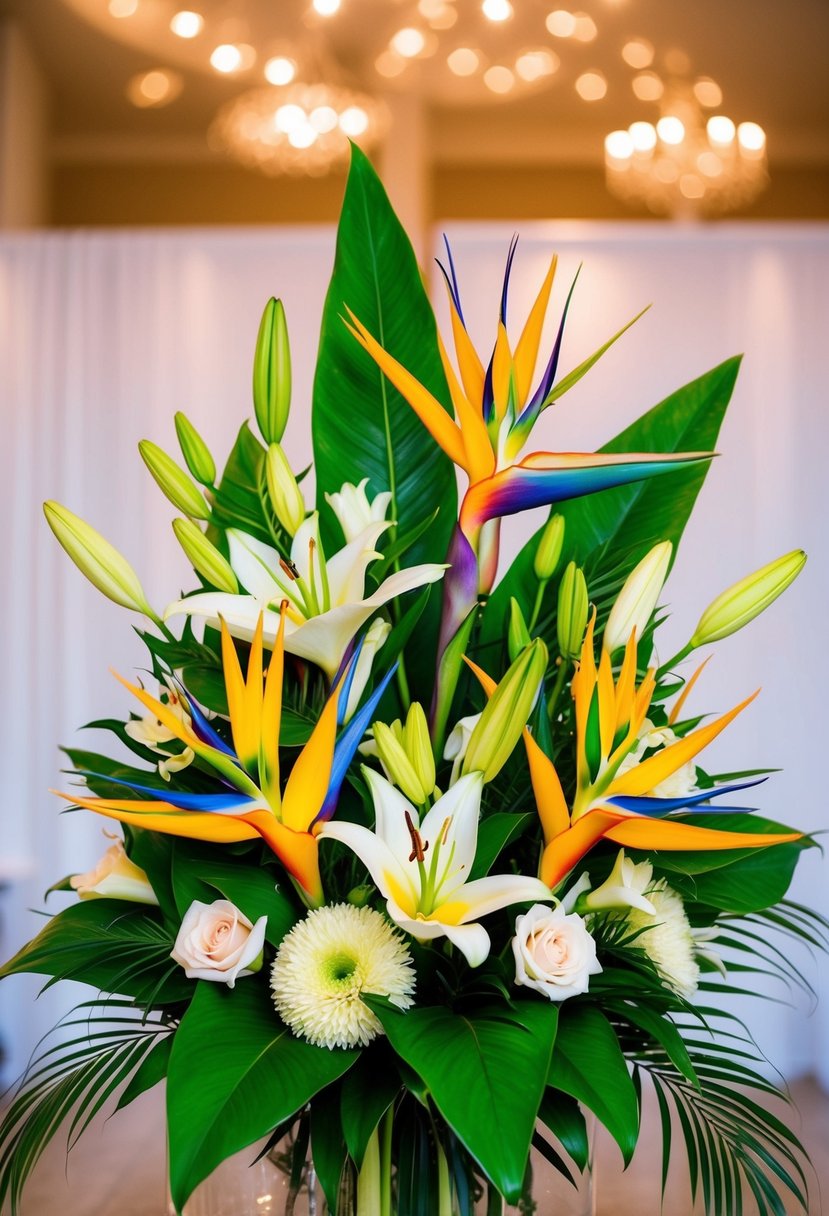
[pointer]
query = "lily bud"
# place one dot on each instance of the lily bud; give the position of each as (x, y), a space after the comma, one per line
(285, 494)
(571, 618)
(637, 599)
(399, 768)
(518, 635)
(374, 640)
(272, 373)
(623, 888)
(195, 451)
(95, 557)
(505, 714)
(747, 599)
(204, 557)
(419, 746)
(173, 481)
(549, 549)
(114, 877)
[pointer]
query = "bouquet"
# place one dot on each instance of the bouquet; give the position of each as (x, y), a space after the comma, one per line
(418, 868)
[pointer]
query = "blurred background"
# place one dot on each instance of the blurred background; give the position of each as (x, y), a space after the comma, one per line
(163, 170)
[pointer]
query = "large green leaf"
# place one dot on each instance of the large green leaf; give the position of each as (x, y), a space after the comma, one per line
(362, 427)
(113, 945)
(236, 1072)
(630, 519)
(199, 872)
(367, 1093)
(589, 1065)
(486, 1073)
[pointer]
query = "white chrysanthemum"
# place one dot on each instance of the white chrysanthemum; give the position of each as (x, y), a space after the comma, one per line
(667, 937)
(325, 964)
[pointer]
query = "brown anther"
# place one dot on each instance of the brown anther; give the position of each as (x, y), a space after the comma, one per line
(289, 568)
(418, 847)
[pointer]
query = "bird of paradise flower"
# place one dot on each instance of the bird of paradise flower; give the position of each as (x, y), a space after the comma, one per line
(252, 802)
(620, 806)
(494, 412)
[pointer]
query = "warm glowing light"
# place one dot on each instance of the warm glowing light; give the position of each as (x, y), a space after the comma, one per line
(280, 70)
(647, 86)
(619, 145)
(408, 42)
(439, 14)
(302, 137)
(585, 30)
(751, 137)
(389, 63)
(323, 119)
(591, 86)
(354, 121)
(643, 136)
(123, 8)
(289, 118)
(670, 129)
(561, 24)
(464, 61)
(721, 130)
(638, 53)
(326, 8)
(709, 164)
(691, 186)
(677, 61)
(534, 65)
(708, 93)
(187, 24)
(155, 88)
(666, 170)
(497, 10)
(499, 79)
(226, 58)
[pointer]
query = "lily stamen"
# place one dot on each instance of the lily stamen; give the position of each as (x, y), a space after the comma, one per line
(418, 852)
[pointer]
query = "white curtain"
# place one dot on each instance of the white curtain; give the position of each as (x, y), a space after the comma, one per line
(104, 336)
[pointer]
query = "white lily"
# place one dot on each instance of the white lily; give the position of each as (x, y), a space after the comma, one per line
(353, 509)
(421, 868)
(623, 888)
(326, 597)
(457, 744)
(153, 734)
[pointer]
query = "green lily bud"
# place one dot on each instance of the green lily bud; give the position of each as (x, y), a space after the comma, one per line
(399, 768)
(272, 373)
(418, 747)
(173, 481)
(747, 599)
(360, 896)
(195, 451)
(204, 557)
(637, 599)
(548, 553)
(95, 557)
(623, 888)
(571, 619)
(518, 636)
(505, 714)
(285, 494)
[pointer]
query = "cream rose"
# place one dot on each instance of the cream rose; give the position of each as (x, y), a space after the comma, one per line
(114, 877)
(554, 953)
(217, 942)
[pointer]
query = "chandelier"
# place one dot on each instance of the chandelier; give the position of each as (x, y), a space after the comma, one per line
(685, 164)
(297, 129)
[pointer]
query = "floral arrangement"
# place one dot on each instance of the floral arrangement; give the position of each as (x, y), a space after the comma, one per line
(431, 857)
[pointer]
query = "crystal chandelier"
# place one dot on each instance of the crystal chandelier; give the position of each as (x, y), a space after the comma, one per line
(686, 165)
(298, 129)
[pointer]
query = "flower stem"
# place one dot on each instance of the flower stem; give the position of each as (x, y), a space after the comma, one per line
(563, 665)
(369, 1180)
(677, 658)
(385, 1161)
(539, 598)
(444, 1185)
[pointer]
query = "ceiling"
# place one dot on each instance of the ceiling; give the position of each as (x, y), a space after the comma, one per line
(768, 57)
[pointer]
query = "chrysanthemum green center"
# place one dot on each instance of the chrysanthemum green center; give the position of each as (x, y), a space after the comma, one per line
(340, 967)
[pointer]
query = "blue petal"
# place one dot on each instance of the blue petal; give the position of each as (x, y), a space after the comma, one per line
(347, 745)
(202, 727)
(657, 807)
(533, 407)
(345, 689)
(451, 279)
(219, 803)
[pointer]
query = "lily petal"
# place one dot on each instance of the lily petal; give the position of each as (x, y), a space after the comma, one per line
(388, 875)
(484, 895)
(347, 568)
(254, 564)
(460, 807)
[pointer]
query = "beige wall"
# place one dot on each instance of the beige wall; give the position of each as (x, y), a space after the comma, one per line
(206, 193)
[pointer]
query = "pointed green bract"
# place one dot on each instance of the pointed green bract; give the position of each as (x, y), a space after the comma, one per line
(362, 427)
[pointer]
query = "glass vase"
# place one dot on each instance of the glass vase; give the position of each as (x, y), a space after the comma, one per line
(270, 1186)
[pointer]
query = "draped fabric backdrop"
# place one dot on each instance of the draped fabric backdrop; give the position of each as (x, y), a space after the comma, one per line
(104, 336)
